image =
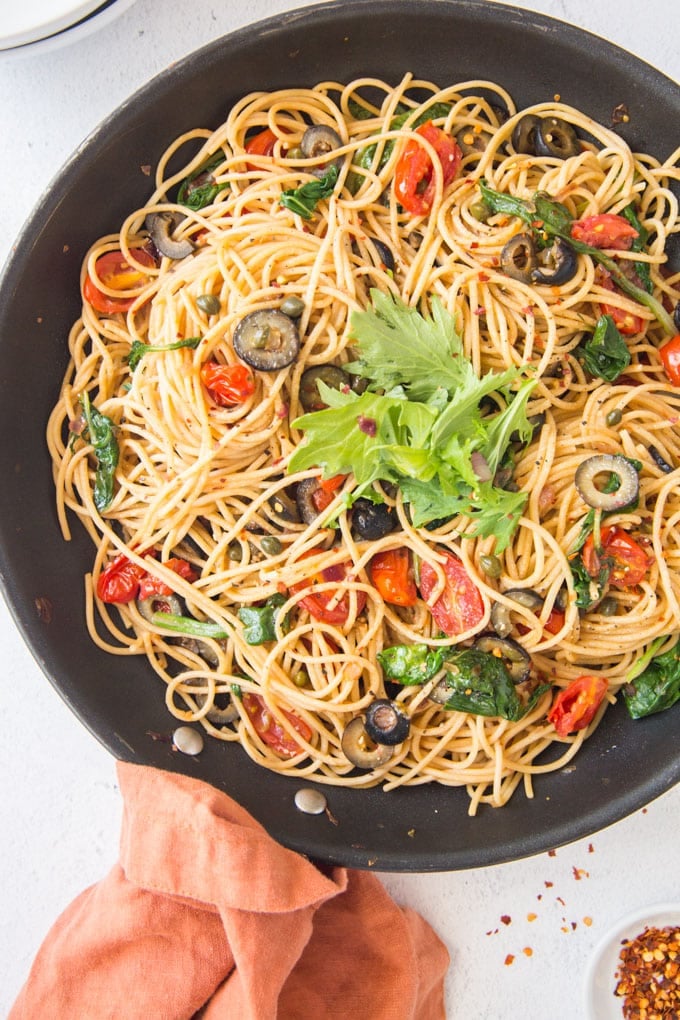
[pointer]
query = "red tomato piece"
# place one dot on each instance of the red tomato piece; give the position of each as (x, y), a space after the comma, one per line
(261, 144)
(324, 495)
(269, 729)
(460, 606)
(228, 385)
(627, 560)
(150, 585)
(392, 575)
(670, 359)
(626, 322)
(119, 581)
(414, 177)
(317, 603)
(555, 621)
(114, 270)
(605, 230)
(574, 708)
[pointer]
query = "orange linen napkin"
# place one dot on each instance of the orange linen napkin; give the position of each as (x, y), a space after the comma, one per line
(207, 913)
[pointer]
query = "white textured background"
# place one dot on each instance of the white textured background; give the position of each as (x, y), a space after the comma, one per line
(59, 806)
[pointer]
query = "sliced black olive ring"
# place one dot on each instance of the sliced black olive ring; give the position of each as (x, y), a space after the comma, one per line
(500, 613)
(372, 521)
(385, 723)
(159, 604)
(267, 340)
(222, 712)
(524, 134)
(333, 376)
(603, 466)
(304, 499)
(160, 226)
(515, 658)
(518, 258)
(318, 142)
(360, 750)
(473, 141)
(556, 264)
(555, 137)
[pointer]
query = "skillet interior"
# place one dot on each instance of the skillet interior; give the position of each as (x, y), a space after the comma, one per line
(625, 764)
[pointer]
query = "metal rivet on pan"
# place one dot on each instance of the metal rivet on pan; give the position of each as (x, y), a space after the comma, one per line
(312, 802)
(187, 740)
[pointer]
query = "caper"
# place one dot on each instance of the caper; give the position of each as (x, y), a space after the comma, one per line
(208, 303)
(293, 306)
(614, 417)
(608, 606)
(491, 565)
(235, 551)
(301, 678)
(295, 153)
(480, 211)
(271, 545)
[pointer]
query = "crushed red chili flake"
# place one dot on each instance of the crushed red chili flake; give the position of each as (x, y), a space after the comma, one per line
(506, 919)
(648, 976)
(509, 959)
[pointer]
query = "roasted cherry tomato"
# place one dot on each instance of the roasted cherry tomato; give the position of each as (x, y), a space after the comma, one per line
(555, 621)
(670, 358)
(326, 491)
(228, 385)
(574, 708)
(414, 177)
(269, 729)
(115, 272)
(317, 603)
(150, 585)
(460, 605)
(628, 561)
(392, 575)
(627, 323)
(119, 582)
(261, 144)
(605, 230)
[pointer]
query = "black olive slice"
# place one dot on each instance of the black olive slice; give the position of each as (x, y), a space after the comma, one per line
(385, 723)
(660, 460)
(223, 711)
(384, 253)
(160, 226)
(556, 264)
(604, 465)
(318, 142)
(515, 658)
(304, 498)
(360, 750)
(473, 141)
(676, 316)
(333, 376)
(524, 134)
(500, 613)
(372, 521)
(555, 137)
(518, 258)
(159, 604)
(267, 340)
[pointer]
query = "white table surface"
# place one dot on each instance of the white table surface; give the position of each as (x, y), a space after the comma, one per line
(59, 804)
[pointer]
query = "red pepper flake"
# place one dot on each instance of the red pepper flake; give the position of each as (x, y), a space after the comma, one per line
(146, 169)
(528, 951)
(282, 412)
(474, 244)
(548, 885)
(43, 607)
(648, 976)
(509, 959)
(506, 919)
(591, 848)
(580, 873)
(483, 277)
(531, 917)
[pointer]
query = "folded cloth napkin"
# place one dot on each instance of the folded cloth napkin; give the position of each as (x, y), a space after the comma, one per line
(206, 915)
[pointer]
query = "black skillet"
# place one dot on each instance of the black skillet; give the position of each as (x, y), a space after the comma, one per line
(626, 764)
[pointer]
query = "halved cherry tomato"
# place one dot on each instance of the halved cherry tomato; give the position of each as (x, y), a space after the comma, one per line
(317, 603)
(115, 271)
(150, 585)
(261, 144)
(325, 493)
(555, 621)
(574, 708)
(627, 560)
(670, 358)
(414, 178)
(605, 230)
(392, 574)
(228, 385)
(119, 582)
(270, 730)
(460, 605)
(626, 322)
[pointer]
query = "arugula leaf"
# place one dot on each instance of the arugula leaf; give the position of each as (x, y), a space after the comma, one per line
(411, 664)
(605, 353)
(200, 189)
(138, 349)
(657, 687)
(303, 200)
(259, 622)
(102, 435)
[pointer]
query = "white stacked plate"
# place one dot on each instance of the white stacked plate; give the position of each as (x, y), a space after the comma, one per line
(36, 26)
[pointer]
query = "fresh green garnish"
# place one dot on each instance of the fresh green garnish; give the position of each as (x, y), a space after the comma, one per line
(303, 200)
(546, 216)
(259, 622)
(139, 349)
(411, 664)
(604, 354)
(638, 244)
(366, 155)
(427, 432)
(200, 188)
(102, 435)
(188, 625)
(657, 686)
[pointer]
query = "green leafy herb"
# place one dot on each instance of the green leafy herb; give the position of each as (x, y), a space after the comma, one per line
(589, 590)
(639, 244)
(102, 435)
(411, 664)
(546, 216)
(188, 625)
(139, 349)
(422, 433)
(481, 685)
(259, 622)
(303, 200)
(366, 155)
(200, 188)
(657, 686)
(605, 353)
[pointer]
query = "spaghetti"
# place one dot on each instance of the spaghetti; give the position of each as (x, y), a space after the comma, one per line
(201, 519)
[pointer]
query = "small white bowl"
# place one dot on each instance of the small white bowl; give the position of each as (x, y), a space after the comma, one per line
(51, 24)
(600, 1001)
